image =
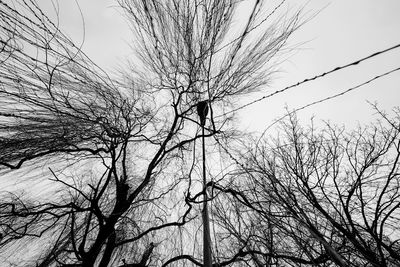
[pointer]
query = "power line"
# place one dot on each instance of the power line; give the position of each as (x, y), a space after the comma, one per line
(330, 97)
(314, 78)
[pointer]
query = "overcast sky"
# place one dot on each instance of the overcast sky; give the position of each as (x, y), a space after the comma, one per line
(342, 32)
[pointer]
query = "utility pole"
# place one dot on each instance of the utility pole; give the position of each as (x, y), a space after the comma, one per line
(202, 110)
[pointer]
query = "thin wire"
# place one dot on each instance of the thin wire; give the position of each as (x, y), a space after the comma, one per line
(308, 105)
(328, 98)
(312, 79)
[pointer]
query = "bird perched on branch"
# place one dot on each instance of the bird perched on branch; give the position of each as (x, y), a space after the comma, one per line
(202, 111)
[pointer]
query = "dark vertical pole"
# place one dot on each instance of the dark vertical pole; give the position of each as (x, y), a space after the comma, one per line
(207, 256)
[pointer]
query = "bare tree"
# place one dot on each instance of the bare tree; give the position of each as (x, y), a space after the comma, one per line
(318, 197)
(105, 167)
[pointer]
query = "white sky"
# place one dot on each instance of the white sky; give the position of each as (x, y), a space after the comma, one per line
(342, 32)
